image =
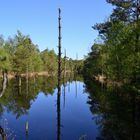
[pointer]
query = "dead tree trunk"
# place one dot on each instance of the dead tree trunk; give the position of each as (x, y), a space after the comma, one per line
(59, 48)
(59, 81)
(4, 83)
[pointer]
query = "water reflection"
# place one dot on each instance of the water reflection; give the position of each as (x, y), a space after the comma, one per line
(118, 112)
(59, 113)
(2, 133)
(40, 107)
(64, 94)
(18, 99)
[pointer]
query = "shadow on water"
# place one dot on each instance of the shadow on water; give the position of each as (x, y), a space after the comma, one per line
(117, 109)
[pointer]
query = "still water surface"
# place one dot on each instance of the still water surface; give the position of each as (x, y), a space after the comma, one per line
(35, 105)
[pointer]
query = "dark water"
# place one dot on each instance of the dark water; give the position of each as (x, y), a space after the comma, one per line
(118, 110)
(36, 103)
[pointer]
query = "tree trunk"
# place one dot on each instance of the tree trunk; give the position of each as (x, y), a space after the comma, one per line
(4, 83)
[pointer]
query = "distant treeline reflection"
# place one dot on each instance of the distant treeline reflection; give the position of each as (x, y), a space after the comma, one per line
(18, 99)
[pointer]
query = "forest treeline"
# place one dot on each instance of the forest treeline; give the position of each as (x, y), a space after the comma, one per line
(116, 54)
(19, 55)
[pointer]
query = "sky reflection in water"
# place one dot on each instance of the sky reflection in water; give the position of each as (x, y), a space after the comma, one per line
(41, 113)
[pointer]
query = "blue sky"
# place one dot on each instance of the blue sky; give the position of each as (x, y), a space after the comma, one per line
(39, 19)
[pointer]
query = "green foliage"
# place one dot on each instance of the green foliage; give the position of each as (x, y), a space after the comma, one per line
(4, 60)
(49, 59)
(118, 58)
(18, 54)
(4, 57)
(26, 56)
(91, 65)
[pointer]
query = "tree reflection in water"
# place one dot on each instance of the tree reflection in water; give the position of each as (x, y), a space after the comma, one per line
(118, 112)
(20, 102)
(59, 113)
